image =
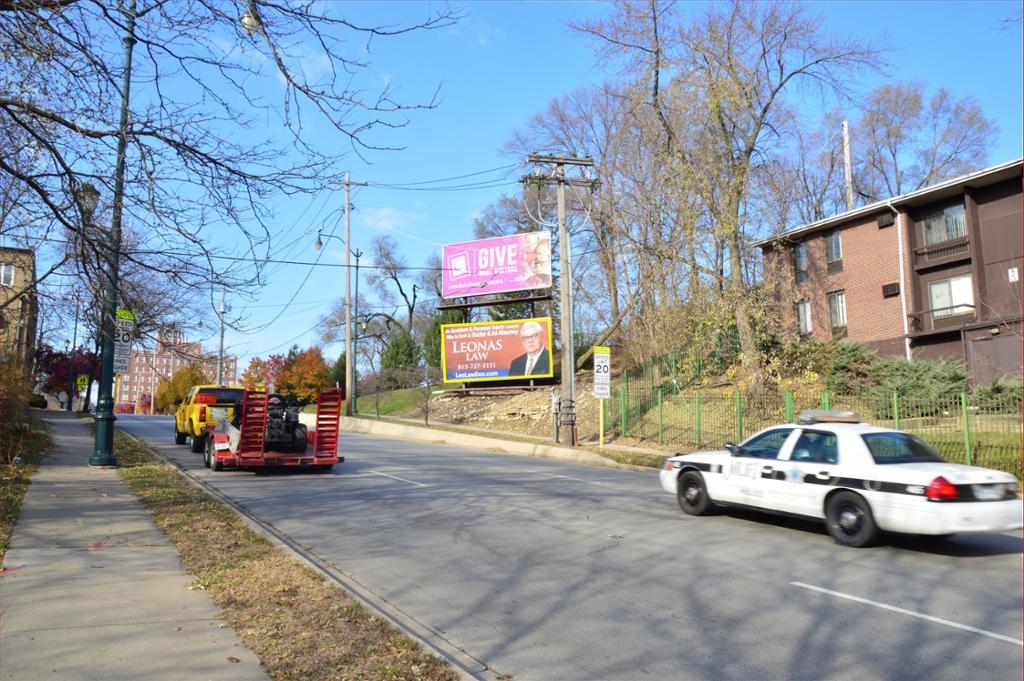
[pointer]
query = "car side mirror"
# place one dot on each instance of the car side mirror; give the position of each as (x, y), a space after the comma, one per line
(733, 448)
(177, 403)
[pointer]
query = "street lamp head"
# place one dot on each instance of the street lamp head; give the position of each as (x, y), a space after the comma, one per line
(87, 197)
(250, 22)
(319, 244)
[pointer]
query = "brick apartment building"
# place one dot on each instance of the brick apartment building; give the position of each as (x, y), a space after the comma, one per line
(932, 274)
(18, 320)
(147, 368)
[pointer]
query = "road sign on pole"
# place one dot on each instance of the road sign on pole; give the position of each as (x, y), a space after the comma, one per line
(602, 372)
(82, 383)
(124, 329)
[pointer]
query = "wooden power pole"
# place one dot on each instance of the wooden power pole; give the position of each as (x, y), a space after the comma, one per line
(567, 420)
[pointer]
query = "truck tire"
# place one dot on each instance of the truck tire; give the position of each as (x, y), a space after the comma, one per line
(301, 441)
(179, 438)
(198, 443)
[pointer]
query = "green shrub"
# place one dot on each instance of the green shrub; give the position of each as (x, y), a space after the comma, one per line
(1003, 396)
(925, 388)
(851, 368)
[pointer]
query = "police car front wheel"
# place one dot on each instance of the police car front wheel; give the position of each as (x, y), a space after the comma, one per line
(692, 494)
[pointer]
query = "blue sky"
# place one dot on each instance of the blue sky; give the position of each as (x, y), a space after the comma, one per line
(504, 62)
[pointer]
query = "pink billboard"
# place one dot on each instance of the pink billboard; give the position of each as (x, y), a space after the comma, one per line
(496, 351)
(519, 262)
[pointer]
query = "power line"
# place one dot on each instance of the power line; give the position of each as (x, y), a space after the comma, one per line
(452, 188)
(448, 179)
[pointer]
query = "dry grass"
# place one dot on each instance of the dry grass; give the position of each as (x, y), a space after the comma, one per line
(26, 443)
(300, 625)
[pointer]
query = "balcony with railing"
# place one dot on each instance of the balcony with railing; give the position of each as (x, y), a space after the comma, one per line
(943, 253)
(940, 319)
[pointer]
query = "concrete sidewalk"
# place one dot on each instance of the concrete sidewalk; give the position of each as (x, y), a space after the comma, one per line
(92, 589)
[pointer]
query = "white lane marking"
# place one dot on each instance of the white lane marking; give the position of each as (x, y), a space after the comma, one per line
(904, 611)
(568, 477)
(395, 477)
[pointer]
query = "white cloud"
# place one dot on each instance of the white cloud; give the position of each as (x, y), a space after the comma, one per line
(397, 221)
(487, 34)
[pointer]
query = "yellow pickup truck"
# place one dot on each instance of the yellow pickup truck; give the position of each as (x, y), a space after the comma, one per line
(204, 405)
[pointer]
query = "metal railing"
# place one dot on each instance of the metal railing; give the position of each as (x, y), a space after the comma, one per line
(647, 407)
(940, 318)
(942, 250)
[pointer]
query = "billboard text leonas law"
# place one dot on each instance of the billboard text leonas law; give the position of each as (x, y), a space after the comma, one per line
(495, 351)
(519, 262)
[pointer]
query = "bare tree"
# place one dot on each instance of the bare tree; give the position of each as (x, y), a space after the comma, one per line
(904, 142)
(213, 116)
(728, 71)
(389, 277)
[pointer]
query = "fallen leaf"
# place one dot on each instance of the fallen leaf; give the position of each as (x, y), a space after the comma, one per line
(233, 660)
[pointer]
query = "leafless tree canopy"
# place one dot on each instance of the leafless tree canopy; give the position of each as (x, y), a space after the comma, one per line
(218, 123)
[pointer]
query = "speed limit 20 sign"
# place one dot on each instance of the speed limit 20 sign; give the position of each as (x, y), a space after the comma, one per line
(602, 372)
(124, 329)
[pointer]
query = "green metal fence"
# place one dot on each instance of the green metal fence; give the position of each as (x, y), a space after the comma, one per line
(648, 406)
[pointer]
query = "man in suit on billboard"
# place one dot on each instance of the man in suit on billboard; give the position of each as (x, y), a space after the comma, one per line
(536, 361)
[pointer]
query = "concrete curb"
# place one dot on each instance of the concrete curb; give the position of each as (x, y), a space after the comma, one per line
(489, 444)
(465, 665)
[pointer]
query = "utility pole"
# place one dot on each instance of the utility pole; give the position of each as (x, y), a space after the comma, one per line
(349, 363)
(849, 169)
(220, 354)
(355, 342)
(567, 422)
(348, 297)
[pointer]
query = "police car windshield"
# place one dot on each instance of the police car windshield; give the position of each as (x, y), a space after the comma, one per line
(224, 395)
(899, 448)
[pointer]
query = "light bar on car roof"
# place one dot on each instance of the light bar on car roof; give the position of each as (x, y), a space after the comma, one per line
(827, 416)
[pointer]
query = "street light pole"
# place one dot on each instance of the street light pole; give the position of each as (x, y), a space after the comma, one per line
(104, 454)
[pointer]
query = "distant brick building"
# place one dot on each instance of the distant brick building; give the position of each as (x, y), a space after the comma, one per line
(18, 319)
(933, 274)
(147, 368)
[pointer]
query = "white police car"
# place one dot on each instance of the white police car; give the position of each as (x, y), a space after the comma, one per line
(858, 478)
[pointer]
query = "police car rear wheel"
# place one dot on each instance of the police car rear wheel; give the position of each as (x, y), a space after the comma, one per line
(849, 520)
(692, 494)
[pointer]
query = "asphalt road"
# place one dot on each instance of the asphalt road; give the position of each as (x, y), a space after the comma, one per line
(548, 570)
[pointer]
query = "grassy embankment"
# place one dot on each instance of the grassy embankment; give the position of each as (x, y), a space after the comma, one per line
(995, 440)
(674, 428)
(30, 444)
(300, 625)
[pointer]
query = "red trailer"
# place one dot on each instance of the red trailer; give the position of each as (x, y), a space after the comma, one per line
(250, 450)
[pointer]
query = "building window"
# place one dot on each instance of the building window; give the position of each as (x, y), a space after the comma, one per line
(951, 297)
(6, 274)
(833, 252)
(944, 224)
(803, 317)
(837, 312)
(800, 261)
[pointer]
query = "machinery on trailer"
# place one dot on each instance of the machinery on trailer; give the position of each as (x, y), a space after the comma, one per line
(284, 432)
(260, 437)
